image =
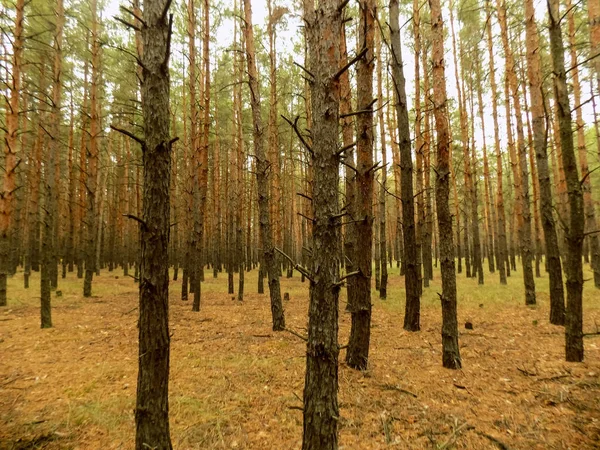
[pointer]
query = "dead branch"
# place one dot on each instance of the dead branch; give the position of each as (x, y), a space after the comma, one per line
(129, 134)
(340, 72)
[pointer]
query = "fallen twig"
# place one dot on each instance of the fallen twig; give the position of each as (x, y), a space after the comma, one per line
(454, 435)
(501, 445)
(305, 339)
(129, 312)
(526, 372)
(393, 387)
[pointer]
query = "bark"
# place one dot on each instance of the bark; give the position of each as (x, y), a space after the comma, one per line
(83, 161)
(589, 207)
(575, 231)
(464, 136)
(419, 145)
(92, 159)
(357, 355)
(11, 150)
(426, 246)
(411, 274)
(399, 247)
(204, 149)
(262, 177)
(472, 156)
(594, 20)
(195, 250)
(383, 188)
(71, 200)
(540, 140)
(490, 212)
(450, 350)
(152, 406)
(321, 411)
(273, 132)
(349, 174)
(49, 241)
(524, 211)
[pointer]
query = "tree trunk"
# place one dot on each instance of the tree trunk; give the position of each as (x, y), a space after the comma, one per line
(383, 188)
(321, 412)
(357, 355)
(262, 177)
(349, 174)
(92, 160)
(575, 232)
(589, 206)
(540, 136)
(49, 240)
(450, 350)
(524, 210)
(11, 161)
(411, 270)
(152, 407)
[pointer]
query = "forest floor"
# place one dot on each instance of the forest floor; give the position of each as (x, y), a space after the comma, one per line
(235, 384)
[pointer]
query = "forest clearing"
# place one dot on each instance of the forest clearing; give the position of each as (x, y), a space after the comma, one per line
(237, 384)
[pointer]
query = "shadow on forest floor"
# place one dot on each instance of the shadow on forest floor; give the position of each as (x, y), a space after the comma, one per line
(235, 384)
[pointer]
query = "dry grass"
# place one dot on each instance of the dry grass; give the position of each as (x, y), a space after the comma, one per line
(236, 384)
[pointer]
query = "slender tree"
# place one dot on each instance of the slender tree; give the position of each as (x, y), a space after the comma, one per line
(524, 211)
(450, 350)
(589, 206)
(360, 334)
(11, 157)
(91, 178)
(412, 312)
(575, 231)
(262, 176)
(540, 140)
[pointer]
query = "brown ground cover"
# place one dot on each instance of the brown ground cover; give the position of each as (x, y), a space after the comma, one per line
(237, 385)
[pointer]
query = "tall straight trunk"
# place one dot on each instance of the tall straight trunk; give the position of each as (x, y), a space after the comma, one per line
(204, 148)
(450, 350)
(92, 160)
(11, 158)
(321, 412)
(262, 176)
(540, 141)
(412, 311)
(398, 241)
(71, 200)
(49, 241)
(349, 173)
(194, 250)
(273, 132)
(524, 215)
(534, 179)
(382, 191)
(458, 253)
(594, 23)
(477, 256)
(216, 161)
(419, 144)
(426, 246)
(589, 206)
(466, 157)
(490, 211)
(357, 355)
(575, 231)
(152, 406)
(240, 196)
